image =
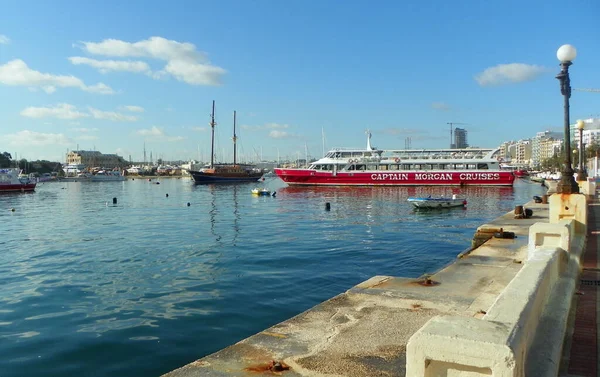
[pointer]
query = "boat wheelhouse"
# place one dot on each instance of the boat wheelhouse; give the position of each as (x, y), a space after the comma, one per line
(372, 166)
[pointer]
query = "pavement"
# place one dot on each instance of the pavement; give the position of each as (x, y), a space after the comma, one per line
(580, 351)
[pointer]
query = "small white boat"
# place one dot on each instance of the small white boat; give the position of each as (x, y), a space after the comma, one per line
(261, 192)
(108, 176)
(442, 202)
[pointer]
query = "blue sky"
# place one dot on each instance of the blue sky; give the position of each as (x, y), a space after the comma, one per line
(112, 75)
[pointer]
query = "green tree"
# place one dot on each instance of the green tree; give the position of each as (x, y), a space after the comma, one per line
(5, 160)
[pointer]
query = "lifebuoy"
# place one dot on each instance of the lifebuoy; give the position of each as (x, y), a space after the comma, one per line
(351, 161)
(397, 159)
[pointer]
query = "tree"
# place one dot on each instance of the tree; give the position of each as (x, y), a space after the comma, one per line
(5, 160)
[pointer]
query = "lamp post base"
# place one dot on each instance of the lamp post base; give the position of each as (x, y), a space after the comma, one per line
(567, 185)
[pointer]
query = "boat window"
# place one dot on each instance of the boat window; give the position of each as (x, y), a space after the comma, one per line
(471, 166)
(393, 167)
(406, 167)
(360, 167)
(383, 167)
(482, 166)
(371, 167)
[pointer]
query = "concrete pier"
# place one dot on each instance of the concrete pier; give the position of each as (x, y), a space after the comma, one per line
(365, 331)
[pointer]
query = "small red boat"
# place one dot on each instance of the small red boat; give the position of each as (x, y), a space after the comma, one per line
(10, 181)
(521, 173)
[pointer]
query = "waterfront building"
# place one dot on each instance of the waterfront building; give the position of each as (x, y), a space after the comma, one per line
(95, 158)
(460, 138)
(505, 150)
(591, 132)
(522, 153)
(544, 145)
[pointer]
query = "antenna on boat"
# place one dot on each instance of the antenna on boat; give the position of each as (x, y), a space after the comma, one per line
(212, 138)
(234, 140)
(368, 132)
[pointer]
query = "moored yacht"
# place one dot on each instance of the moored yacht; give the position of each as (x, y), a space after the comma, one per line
(11, 182)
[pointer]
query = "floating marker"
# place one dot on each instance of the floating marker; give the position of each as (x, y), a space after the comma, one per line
(188, 204)
(158, 183)
(12, 210)
(114, 200)
(327, 206)
(167, 195)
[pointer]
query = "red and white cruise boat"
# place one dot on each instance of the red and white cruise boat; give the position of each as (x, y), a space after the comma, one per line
(373, 167)
(10, 181)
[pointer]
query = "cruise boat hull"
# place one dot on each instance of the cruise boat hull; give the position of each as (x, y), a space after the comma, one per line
(311, 177)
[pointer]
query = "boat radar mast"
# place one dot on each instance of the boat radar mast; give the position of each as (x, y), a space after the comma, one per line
(368, 132)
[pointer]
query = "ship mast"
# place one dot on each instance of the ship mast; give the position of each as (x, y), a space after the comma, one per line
(212, 137)
(234, 140)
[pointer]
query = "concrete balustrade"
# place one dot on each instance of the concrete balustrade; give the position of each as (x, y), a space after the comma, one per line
(532, 309)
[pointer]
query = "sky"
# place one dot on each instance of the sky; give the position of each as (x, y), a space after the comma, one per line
(302, 76)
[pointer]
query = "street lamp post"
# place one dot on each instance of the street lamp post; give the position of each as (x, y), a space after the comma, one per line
(581, 176)
(566, 54)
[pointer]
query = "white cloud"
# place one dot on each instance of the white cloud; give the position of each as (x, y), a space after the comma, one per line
(32, 138)
(440, 106)
(112, 116)
(133, 109)
(17, 73)
(267, 126)
(158, 134)
(276, 134)
(4, 40)
(183, 61)
(199, 129)
(105, 66)
(509, 73)
(84, 130)
(87, 137)
(154, 131)
(60, 111)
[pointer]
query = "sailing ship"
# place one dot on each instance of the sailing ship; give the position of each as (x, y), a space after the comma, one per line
(225, 173)
(413, 167)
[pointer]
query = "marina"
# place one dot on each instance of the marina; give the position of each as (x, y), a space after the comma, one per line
(152, 276)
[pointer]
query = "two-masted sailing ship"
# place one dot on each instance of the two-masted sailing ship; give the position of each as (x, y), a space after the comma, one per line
(223, 172)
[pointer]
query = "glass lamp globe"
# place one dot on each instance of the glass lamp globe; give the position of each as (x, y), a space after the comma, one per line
(580, 124)
(566, 53)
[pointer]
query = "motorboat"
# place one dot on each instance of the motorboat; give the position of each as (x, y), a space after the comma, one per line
(11, 182)
(108, 176)
(429, 202)
(371, 166)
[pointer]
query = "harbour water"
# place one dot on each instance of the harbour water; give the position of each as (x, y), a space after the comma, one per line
(147, 285)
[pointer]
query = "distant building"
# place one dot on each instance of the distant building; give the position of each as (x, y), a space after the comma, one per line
(523, 153)
(505, 150)
(95, 159)
(543, 146)
(591, 132)
(460, 138)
